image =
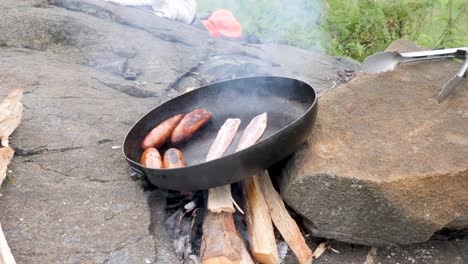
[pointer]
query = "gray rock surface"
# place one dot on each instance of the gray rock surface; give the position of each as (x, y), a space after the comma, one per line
(386, 163)
(445, 249)
(90, 70)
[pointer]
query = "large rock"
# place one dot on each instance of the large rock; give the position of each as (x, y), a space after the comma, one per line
(386, 163)
(89, 71)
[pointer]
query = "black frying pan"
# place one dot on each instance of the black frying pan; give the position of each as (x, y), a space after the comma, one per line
(291, 107)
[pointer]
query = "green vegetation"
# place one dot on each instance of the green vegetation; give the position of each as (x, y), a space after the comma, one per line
(354, 28)
(361, 27)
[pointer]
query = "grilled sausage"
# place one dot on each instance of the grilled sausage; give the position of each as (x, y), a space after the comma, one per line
(161, 133)
(151, 158)
(173, 158)
(189, 125)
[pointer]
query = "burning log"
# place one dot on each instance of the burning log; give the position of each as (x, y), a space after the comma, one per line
(221, 242)
(283, 221)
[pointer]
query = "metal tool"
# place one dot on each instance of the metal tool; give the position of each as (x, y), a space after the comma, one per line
(386, 61)
(455, 81)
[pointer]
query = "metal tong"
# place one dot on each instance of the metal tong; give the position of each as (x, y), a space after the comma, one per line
(385, 61)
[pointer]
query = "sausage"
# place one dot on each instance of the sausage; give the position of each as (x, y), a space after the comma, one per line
(151, 158)
(161, 133)
(189, 125)
(173, 158)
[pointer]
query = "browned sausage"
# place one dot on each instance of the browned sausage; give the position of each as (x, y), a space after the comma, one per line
(151, 158)
(173, 158)
(160, 134)
(190, 124)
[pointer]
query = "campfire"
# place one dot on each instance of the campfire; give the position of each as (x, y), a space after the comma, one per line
(210, 226)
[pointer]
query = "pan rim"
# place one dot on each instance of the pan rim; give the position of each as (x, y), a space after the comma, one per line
(232, 155)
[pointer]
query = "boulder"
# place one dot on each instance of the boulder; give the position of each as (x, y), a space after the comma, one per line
(385, 164)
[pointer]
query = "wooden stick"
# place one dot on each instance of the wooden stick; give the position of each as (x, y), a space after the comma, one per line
(259, 225)
(5, 156)
(283, 221)
(5, 253)
(220, 242)
(11, 110)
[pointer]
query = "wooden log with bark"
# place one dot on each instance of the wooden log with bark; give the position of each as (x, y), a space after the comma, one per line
(220, 242)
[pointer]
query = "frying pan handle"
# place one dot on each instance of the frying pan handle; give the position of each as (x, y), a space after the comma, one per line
(136, 174)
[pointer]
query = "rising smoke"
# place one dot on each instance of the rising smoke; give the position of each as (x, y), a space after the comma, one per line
(292, 22)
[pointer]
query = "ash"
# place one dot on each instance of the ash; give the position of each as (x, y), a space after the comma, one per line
(185, 212)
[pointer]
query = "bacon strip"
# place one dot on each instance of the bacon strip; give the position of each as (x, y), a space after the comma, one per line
(223, 140)
(253, 132)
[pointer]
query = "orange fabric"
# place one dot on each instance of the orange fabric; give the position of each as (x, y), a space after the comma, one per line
(223, 22)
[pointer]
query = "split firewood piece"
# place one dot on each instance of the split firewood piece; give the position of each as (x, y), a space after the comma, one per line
(5, 254)
(245, 255)
(319, 250)
(10, 114)
(287, 227)
(5, 156)
(219, 198)
(220, 242)
(259, 225)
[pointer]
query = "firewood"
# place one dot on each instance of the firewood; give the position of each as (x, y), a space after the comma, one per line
(287, 227)
(5, 156)
(219, 200)
(245, 255)
(220, 242)
(10, 114)
(5, 254)
(259, 225)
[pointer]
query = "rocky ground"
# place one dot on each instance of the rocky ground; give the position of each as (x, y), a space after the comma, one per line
(89, 70)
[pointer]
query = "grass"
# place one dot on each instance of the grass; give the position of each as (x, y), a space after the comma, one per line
(354, 28)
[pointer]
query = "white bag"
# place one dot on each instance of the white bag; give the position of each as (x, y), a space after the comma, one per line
(178, 10)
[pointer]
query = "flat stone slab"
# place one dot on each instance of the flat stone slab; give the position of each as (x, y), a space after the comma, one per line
(386, 163)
